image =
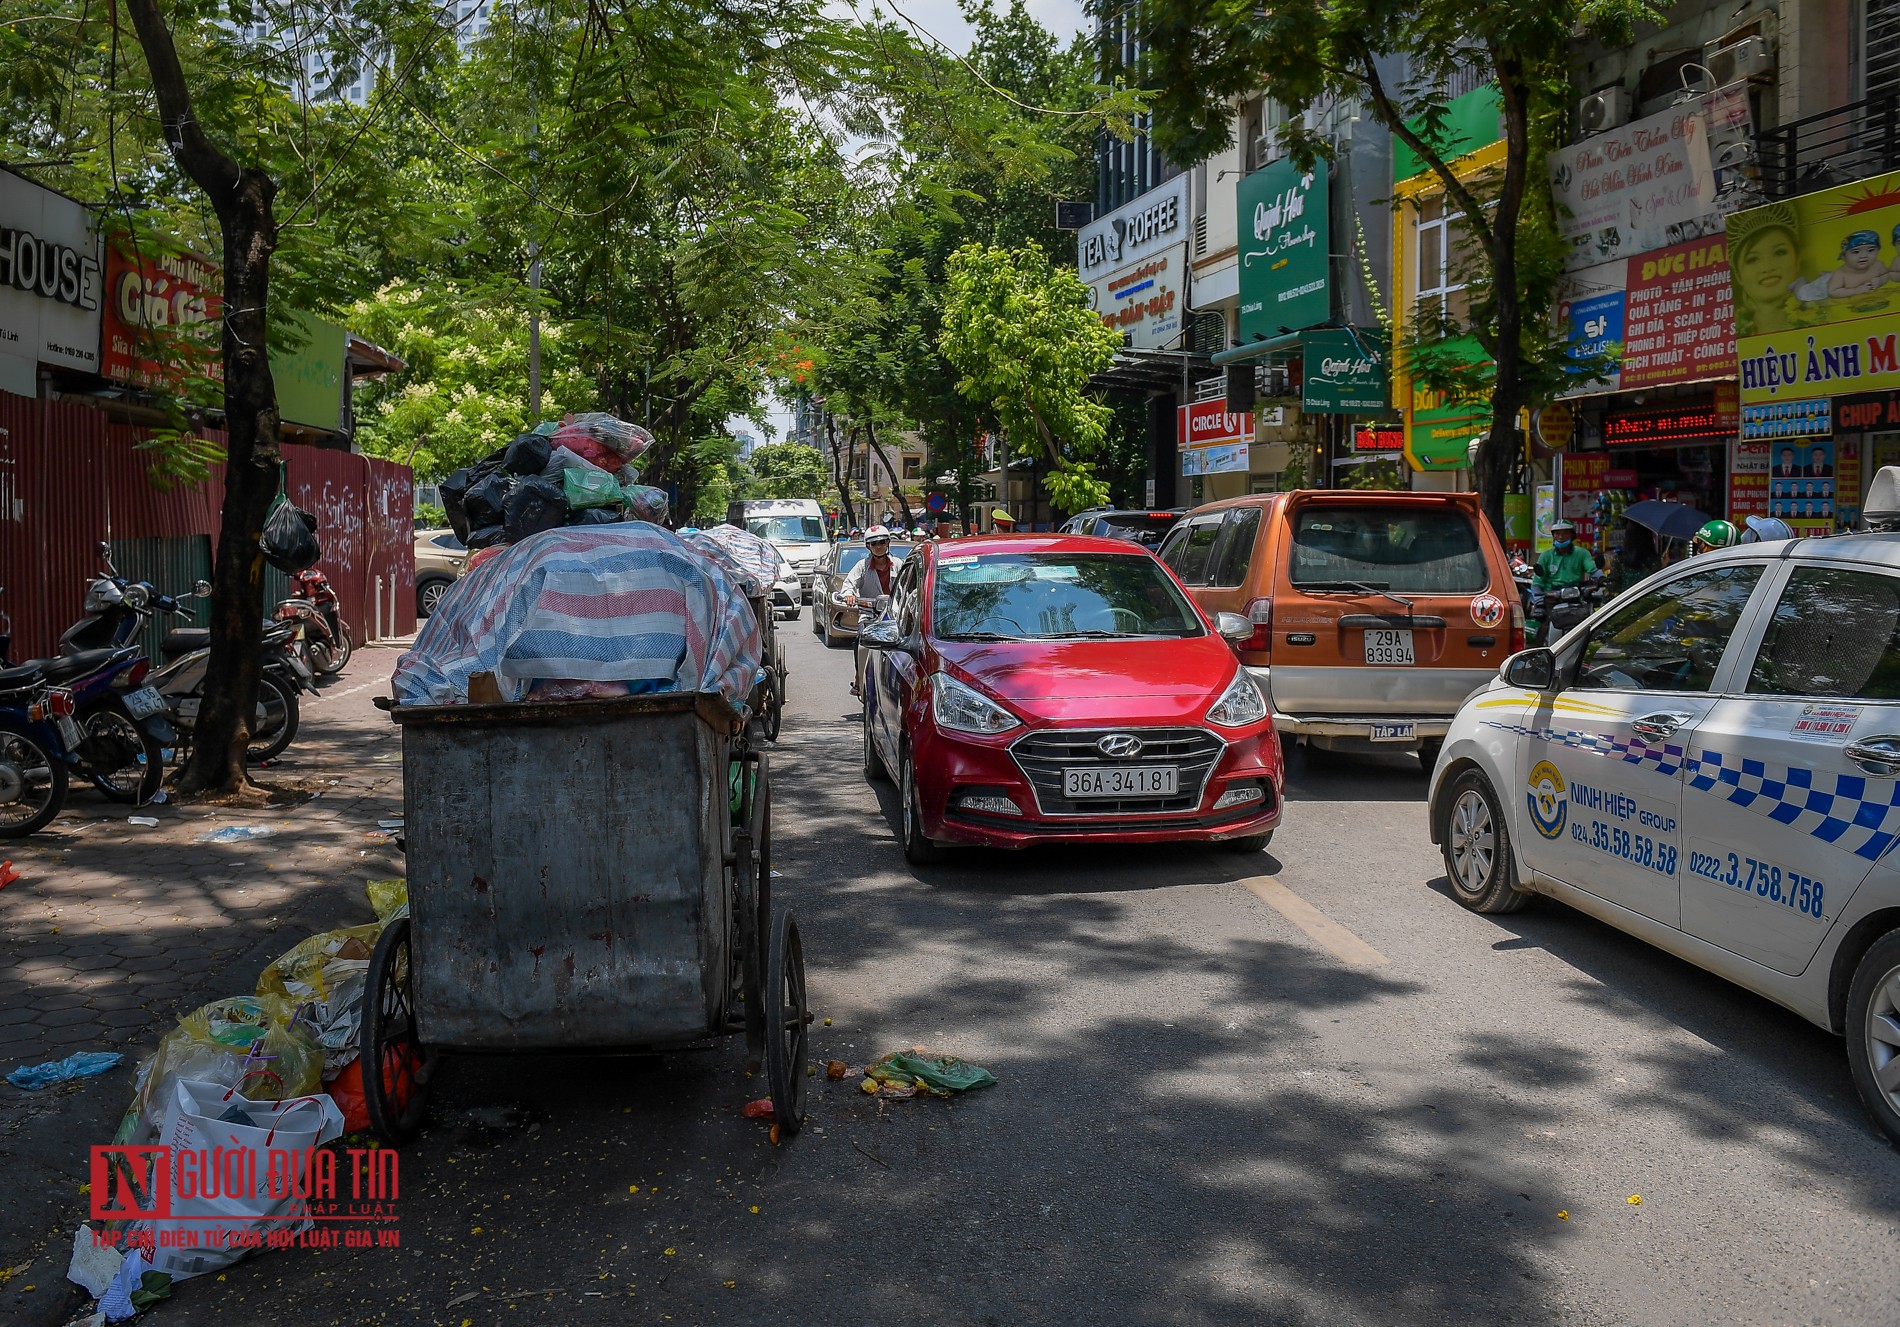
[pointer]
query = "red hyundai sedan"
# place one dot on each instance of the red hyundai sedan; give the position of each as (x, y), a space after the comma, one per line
(1031, 688)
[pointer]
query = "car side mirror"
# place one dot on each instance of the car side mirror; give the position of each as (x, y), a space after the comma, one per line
(1233, 626)
(202, 589)
(881, 635)
(1534, 670)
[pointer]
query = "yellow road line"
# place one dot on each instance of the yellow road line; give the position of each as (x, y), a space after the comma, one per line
(1322, 930)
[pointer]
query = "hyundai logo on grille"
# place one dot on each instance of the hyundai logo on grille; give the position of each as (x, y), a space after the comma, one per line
(1119, 745)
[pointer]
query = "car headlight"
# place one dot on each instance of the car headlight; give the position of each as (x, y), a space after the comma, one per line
(1241, 704)
(966, 711)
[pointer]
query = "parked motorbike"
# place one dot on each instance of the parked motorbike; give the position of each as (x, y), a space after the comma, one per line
(124, 723)
(188, 652)
(327, 636)
(37, 737)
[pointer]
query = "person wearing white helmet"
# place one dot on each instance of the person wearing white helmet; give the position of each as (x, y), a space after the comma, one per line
(1766, 530)
(871, 581)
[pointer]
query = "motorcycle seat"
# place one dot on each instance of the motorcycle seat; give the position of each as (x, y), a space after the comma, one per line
(65, 667)
(183, 640)
(19, 679)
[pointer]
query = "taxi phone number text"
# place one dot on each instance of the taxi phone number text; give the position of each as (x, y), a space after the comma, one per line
(1638, 849)
(1764, 880)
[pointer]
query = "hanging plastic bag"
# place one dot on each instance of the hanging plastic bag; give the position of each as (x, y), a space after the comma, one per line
(290, 538)
(202, 1117)
(249, 1042)
(590, 487)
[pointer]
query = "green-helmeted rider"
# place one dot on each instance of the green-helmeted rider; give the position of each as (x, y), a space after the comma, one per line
(1714, 534)
(1565, 562)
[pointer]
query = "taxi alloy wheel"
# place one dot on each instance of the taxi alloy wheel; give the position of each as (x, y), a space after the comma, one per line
(918, 850)
(1477, 848)
(1873, 1032)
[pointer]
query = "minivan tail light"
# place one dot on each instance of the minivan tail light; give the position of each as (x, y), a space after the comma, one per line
(1260, 613)
(1517, 626)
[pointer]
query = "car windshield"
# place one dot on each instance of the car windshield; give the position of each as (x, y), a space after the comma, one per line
(1413, 550)
(788, 529)
(849, 558)
(1056, 596)
(1137, 527)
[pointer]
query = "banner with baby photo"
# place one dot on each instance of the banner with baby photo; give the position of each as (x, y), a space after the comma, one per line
(1816, 285)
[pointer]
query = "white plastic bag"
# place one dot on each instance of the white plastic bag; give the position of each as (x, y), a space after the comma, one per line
(238, 1136)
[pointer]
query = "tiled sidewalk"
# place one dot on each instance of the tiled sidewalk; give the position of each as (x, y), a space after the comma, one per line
(114, 930)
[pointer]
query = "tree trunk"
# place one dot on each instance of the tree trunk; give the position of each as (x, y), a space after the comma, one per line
(838, 476)
(241, 196)
(897, 479)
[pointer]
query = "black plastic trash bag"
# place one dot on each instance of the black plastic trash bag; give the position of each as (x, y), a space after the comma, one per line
(453, 490)
(290, 538)
(594, 516)
(533, 505)
(486, 536)
(485, 497)
(526, 455)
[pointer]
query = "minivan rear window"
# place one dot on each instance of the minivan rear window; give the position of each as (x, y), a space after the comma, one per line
(1417, 550)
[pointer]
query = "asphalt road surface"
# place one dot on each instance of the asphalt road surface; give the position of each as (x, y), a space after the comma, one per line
(1301, 1087)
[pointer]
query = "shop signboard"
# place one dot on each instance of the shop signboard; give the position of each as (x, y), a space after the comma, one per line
(1285, 248)
(1596, 319)
(1379, 438)
(1468, 123)
(1817, 307)
(310, 377)
(1680, 322)
(1555, 425)
(1801, 485)
(1344, 372)
(1689, 422)
(1439, 430)
(1847, 489)
(1789, 419)
(1545, 512)
(1867, 412)
(1584, 476)
(160, 317)
(49, 278)
(1145, 300)
(1213, 440)
(1135, 231)
(1622, 191)
(1748, 464)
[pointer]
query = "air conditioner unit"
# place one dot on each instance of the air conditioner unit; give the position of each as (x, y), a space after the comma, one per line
(1751, 57)
(1603, 110)
(1266, 150)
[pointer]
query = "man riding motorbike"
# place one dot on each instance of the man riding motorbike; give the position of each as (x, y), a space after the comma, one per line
(1565, 562)
(871, 581)
(1714, 534)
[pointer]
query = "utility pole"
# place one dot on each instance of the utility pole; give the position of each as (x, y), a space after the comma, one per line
(534, 331)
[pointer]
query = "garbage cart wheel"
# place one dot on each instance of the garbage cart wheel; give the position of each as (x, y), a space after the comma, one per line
(396, 1068)
(774, 705)
(753, 903)
(789, 1016)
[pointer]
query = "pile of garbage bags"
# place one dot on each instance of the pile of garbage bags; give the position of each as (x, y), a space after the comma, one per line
(751, 561)
(272, 1073)
(578, 471)
(588, 611)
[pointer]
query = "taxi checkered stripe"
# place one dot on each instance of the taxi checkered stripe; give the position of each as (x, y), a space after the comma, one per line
(1665, 760)
(1835, 808)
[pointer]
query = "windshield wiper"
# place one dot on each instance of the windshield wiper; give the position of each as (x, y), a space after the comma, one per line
(1361, 587)
(978, 635)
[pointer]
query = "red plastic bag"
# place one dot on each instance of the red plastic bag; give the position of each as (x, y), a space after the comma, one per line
(346, 1089)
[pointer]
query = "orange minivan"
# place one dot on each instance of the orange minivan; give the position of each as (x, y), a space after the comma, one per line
(1375, 614)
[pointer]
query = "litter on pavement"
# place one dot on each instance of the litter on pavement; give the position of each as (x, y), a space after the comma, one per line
(8, 874)
(235, 834)
(906, 1073)
(80, 1064)
(148, 821)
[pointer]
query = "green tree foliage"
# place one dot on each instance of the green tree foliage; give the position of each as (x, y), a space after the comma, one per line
(1024, 337)
(1394, 57)
(789, 470)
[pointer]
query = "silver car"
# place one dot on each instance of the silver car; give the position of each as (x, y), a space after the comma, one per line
(832, 620)
(1711, 762)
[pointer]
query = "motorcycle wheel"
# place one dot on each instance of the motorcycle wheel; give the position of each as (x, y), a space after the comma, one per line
(112, 731)
(329, 661)
(32, 782)
(274, 699)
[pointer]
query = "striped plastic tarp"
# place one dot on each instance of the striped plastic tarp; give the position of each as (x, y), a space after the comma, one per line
(600, 603)
(751, 560)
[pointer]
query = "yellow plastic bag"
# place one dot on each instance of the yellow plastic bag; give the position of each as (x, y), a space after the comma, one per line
(390, 898)
(303, 973)
(255, 1044)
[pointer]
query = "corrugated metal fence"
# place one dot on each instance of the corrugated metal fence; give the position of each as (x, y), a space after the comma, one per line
(69, 479)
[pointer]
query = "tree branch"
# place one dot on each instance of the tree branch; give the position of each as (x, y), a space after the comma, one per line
(1455, 188)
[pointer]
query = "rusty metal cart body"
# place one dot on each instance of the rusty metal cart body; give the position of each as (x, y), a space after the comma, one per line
(583, 875)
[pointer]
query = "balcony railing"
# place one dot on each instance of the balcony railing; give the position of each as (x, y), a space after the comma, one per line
(1835, 147)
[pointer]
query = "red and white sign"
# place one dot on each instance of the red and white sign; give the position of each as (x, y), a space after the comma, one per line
(1748, 479)
(1213, 439)
(152, 307)
(1679, 317)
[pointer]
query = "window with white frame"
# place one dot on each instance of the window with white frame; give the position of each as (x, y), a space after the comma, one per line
(1440, 253)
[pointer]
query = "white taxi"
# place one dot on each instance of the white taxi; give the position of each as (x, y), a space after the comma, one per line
(1712, 763)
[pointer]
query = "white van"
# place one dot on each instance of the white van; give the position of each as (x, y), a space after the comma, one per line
(795, 526)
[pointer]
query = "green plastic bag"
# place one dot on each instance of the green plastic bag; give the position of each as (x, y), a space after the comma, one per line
(941, 1076)
(590, 488)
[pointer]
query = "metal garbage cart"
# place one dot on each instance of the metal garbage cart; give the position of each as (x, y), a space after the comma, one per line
(583, 875)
